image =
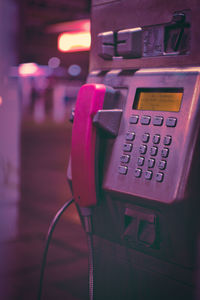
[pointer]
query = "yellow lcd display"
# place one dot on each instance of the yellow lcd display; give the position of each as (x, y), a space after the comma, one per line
(158, 99)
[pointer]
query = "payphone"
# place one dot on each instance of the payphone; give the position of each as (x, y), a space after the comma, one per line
(135, 156)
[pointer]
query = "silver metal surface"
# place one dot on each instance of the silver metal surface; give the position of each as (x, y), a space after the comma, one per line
(173, 187)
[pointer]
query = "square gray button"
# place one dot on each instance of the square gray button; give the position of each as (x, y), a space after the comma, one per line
(159, 177)
(127, 147)
(162, 164)
(145, 120)
(123, 170)
(143, 149)
(124, 158)
(167, 140)
(165, 152)
(133, 119)
(138, 172)
(158, 121)
(140, 161)
(171, 122)
(156, 138)
(148, 175)
(130, 136)
(151, 162)
(153, 151)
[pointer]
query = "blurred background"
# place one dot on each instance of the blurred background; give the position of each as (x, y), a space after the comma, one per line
(44, 55)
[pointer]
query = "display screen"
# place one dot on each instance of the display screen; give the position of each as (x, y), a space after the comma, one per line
(166, 99)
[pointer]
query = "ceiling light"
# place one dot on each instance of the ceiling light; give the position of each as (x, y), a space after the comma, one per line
(74, 41)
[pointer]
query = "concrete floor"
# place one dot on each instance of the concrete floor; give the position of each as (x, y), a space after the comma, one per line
(44, 189)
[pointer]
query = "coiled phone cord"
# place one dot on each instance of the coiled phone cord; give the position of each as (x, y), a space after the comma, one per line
(48, 239)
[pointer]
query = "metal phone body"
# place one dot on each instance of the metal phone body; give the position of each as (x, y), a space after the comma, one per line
(171, 154)
(145, 228)
(146, 222)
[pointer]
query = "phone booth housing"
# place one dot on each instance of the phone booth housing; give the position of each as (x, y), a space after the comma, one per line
(135, 149)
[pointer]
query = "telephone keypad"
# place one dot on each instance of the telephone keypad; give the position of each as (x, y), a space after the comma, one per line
(145, 163)
(125, 158)
(127, 147)
(123, 170)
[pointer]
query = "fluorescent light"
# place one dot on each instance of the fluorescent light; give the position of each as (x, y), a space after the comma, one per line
(74, 41)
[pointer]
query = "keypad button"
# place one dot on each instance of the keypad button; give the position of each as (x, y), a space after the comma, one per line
(145, 120)
(171, 122)
(133, 119)
(127, 147)
(148, 175)
(153, 151)
(165, 152)
(159, 177)
(156, 138)
(158, 121)
(123, 170)
(143, 149)
(151, 162)
(167, 140)
(138, 172)
(124, 158)
(162, 164)
(130, 136)
(140, 161)
(145, 137)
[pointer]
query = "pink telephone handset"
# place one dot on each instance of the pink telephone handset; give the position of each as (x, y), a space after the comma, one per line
(89, 101)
